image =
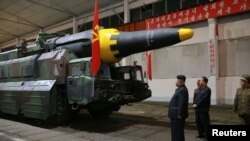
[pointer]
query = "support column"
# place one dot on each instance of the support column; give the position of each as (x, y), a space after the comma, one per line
(75, 26)
(213, 47)
(126, 12)
(17, 41)
(41, 30)
(214, 61)
(126, 20)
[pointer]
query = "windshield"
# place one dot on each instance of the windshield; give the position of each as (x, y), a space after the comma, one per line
(104, 71)
(84, 68)
(126, 73)
(139, 75)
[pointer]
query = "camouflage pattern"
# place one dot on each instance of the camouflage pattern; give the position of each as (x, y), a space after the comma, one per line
(27, 84)
(30, 85)
(242, 101)
(8, 55)
(80, 84)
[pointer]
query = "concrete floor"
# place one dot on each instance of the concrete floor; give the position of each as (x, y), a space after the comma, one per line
(88, 129)
(139, 122)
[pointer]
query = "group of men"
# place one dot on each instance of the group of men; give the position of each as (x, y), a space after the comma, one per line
(178, 106)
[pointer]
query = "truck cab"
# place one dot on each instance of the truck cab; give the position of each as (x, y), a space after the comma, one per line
(112, 87)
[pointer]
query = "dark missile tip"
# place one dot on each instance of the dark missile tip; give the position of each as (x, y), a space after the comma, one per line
(185, 33)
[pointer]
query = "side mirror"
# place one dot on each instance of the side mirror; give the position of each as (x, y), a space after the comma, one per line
(83, 66)
(145, 74)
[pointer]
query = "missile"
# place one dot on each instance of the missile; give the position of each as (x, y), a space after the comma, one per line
(115, 45)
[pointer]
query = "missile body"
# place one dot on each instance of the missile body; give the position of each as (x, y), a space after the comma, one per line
(115, 45)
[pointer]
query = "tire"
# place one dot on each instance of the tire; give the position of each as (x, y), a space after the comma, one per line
(117, 108)
(63, 112)
(63, 108)
(101, 114)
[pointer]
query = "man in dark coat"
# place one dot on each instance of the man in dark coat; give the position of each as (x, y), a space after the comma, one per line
(202, 104)
(178, 110)
(196, 92)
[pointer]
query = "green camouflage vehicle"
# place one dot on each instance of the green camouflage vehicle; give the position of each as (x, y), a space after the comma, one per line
(52, 78)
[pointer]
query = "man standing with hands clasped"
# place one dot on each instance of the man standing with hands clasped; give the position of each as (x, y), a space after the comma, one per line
(201, 104)
(196, 92)
(178, 110)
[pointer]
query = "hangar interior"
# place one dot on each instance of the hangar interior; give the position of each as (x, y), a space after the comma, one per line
(230, 33)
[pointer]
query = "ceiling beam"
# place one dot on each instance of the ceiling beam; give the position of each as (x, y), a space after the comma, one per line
(6, 34)
(62, 10)
(3, 32)
(17, 22)
(84, 18)
(14, 15)
(119, 17)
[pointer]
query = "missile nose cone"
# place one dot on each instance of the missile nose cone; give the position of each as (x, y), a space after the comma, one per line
(185, 33)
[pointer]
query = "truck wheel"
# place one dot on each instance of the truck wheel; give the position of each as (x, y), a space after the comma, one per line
(117, 108)
(100, 114)
(63, 108)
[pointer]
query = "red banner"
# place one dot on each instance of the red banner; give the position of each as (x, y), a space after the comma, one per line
(211, 10)
(212, 56)
(149, 65)
(96, 59)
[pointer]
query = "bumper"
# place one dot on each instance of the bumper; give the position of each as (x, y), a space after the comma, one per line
(121, 92)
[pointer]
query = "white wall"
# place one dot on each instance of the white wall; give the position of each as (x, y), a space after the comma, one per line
(227, 89)
(163, 89)
(234, 26)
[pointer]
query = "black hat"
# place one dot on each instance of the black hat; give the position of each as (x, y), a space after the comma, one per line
(181, 77)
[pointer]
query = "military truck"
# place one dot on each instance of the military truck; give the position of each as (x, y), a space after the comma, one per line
(50, 79)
